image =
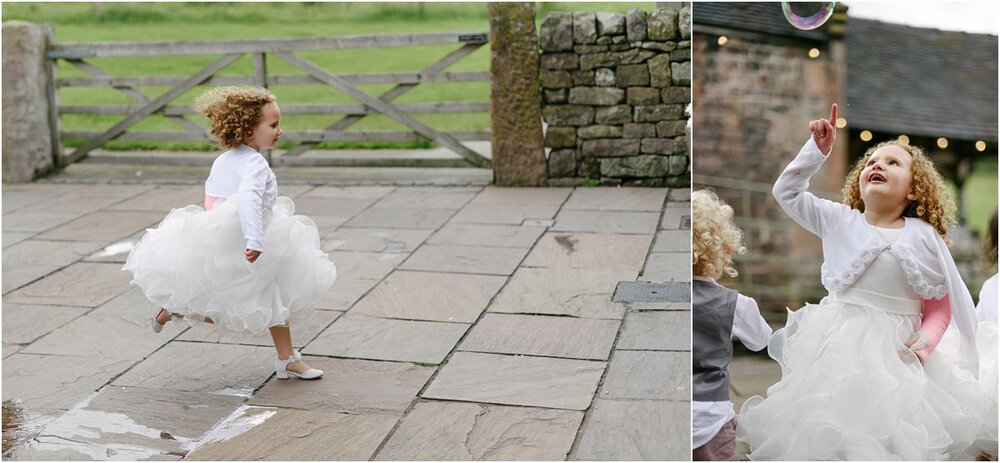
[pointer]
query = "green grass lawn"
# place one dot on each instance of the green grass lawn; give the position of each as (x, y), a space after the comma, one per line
(980, 194)
(101, 22)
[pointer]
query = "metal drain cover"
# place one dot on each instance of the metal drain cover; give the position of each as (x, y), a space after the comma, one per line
(640, 291)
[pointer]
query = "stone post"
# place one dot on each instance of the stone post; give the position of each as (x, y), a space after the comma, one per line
(30, 143)
(515, 104)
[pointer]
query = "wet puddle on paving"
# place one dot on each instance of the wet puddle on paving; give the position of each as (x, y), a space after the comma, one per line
(13, 422)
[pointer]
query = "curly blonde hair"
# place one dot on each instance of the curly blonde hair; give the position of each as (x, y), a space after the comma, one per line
(934, 203)
(715, 237)
(234, 112)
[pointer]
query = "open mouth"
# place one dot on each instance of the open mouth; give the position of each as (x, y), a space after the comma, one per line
(876, 177)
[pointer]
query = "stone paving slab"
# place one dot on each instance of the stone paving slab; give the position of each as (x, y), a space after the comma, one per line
(349, 386)
(573, 292)
(566, 337)
(32, 259)
(677, 216)
(85, 199)
(606, 221)
(116, 252)
(11, 349)
(374, 239)
(667, 267)
(469, 431)
(257, 433)
(359, 336)
(338, 207)
(648, 375)
(199, 367)
(660, 330)
(80, 284)
(517, 380)
(465, 259)
(302, 332)
(329, 191)
(19, 196)
(103, 226)
(449, 297)
(467, 234)
(328, 224)
(344, 293)
(617, 199)
(509, 196)
(106, 333)
(511, 214)
(636, 430)
(366, 265)
(672, 241)
(12, 238)
(163, 199)
(428, 197)
(587, 250)
(129, 424)
(385, 217)
(56, 381)
(35, 221)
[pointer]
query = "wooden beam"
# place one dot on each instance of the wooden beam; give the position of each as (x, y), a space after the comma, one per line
(322, 109)
(386, 78)
(152, 107)
(305, 136)
(209, 47)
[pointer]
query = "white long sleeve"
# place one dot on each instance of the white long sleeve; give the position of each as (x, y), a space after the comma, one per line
(250, 201)
(748, 325)
(812, 213)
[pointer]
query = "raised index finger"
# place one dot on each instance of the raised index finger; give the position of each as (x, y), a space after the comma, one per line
(833, 113)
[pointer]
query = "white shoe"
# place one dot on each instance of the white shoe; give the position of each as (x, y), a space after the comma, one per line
(157, 327)
(282, 371)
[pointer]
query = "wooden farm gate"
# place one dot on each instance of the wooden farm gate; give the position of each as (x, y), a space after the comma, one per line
(80, 56)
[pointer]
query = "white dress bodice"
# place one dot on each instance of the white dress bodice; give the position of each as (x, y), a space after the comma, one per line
(884, 285)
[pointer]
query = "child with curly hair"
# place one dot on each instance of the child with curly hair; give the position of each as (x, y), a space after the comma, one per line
(244, 261)
(719, 315)
(860, 376)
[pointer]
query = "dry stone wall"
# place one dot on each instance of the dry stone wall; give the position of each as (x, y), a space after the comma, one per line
(615, 88)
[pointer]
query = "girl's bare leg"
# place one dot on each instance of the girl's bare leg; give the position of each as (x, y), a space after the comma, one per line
(282, 337)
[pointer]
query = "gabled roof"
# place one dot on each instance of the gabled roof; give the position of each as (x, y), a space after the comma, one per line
(917, 81)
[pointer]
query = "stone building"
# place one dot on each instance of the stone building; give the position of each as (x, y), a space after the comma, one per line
(758, 83)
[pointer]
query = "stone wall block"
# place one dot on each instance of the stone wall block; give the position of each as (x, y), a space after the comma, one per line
(599, 131)
(657, 113)
(557, 96)
(670, 128)
(560, 137)
(634, 130)
(597, 60)
(676, 95)
(678, 165)
(605, 77)
(584, 78)
(684, 22)
(635, 25)
(596, 96)
(611, 147)
(635, 166)
(642, 96)
(660, 146)
(556, 32)
(574, 115)
(633, 75)
(566, 61)
(635, 56)
(562, 163)
(662, 24)
(584, 28)
(555, 79)
(681, 73)
(610, 24)
(614, 115)
(659, 71)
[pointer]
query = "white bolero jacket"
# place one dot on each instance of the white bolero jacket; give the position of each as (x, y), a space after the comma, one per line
(850, 245)
(243, 172)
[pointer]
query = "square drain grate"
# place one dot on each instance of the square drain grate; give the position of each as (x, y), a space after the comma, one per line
(640, 291)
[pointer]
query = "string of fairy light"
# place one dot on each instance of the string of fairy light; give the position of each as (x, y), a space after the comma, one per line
(867, 135)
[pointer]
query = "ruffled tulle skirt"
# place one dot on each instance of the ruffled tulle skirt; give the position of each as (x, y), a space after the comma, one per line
(851, 390)
(193, 263)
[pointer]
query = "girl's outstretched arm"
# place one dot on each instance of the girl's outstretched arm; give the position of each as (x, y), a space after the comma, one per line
(790, 189)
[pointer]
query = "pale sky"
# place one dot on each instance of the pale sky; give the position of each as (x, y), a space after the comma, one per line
(975, 17)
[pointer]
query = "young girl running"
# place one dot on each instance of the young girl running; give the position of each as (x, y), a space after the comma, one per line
(244, 262)
(858, 381)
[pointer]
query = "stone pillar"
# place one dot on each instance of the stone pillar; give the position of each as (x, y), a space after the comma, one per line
(515, 102)
(29, 147)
